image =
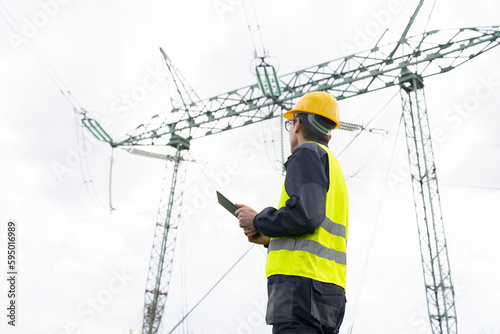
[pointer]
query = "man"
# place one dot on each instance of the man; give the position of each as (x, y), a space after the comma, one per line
(306, 235)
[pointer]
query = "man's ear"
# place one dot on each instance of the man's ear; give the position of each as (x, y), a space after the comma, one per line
(329, 137)
(298, 125)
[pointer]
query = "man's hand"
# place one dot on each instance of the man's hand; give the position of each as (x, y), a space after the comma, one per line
(245, 216)
(256, 237)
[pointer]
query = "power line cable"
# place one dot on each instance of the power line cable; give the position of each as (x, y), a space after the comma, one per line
(111, 208)
(250, 31)
(469, 186)
(372, 237)
(364, 128)
(276, 163)
(48, 69)
(202, 171)
(184, 289)
(211, 289)
(78, 109)
(256, 55)
(429, 18)
(265, 53)
(491, 145)
(83, 160)
(370, 158)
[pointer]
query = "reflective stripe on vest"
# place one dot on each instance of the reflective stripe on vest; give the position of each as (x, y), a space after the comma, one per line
(322, 254)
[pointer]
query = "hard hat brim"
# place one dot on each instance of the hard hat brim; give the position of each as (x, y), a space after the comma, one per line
(289, 114)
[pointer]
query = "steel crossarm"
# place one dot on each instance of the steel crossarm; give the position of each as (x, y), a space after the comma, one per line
(428, 54)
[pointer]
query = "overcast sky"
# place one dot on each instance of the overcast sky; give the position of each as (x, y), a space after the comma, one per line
(83, 269)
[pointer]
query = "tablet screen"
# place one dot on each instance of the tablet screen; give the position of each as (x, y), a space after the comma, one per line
(226, 203)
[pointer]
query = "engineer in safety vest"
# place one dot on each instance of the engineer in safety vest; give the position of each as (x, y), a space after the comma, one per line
(306, 235)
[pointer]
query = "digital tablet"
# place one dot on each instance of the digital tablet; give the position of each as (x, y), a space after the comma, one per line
(226, 203)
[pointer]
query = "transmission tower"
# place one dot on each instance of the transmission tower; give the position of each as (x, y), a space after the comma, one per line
(403, 64)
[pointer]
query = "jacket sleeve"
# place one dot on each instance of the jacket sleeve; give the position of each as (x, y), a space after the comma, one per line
(306, 183)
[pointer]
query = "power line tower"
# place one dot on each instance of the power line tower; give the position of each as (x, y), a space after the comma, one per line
(402, 64)
(169, 212)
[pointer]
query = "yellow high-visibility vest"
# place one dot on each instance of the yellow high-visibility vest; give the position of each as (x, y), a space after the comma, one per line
(321, 255)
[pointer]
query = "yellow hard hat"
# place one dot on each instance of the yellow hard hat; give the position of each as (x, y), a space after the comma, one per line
(319, 103)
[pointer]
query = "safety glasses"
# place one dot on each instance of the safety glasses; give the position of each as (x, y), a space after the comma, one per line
(289, 122)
